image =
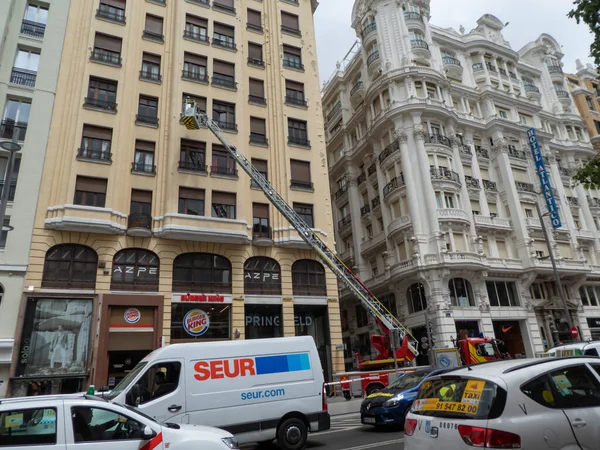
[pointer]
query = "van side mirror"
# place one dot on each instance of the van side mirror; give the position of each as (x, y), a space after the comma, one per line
(148, 433)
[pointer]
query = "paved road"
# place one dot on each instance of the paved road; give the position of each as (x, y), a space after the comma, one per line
(347, 433)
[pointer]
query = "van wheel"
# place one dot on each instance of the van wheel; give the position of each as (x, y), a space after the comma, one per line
(292, 434)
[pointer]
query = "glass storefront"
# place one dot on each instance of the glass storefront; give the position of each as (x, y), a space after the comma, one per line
(313, 320)
(263, 321)
(594, 324)
(200, 321)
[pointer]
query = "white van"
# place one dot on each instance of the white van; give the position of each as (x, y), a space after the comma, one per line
(590, 348)
(258, 390)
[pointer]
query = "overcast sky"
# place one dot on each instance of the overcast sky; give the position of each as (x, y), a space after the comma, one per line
(528, 19)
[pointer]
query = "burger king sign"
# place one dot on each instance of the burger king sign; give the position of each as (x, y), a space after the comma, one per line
(196, 322)
(132, 316)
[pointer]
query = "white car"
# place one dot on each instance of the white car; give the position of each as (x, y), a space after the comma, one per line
(532, 404)
(69, 422)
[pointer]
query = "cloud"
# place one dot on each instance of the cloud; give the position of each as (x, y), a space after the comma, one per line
(527, 20)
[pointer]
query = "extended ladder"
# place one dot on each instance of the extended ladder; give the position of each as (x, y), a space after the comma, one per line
(193, 119)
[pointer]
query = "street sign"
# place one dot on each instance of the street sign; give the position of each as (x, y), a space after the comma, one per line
(574, 332)
(540, 168)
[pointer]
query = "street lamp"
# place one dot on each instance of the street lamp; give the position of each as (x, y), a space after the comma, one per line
(11, 147)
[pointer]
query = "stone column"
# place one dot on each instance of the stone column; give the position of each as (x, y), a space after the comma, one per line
(408, 170)
(464, 192)
(485, 210)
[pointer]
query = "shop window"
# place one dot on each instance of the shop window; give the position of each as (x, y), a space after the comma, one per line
(308, 278)
(97, 424)
(262, 276)
(263, 321)
(70, 266)
(159, 380)
(135, 269)
(313, 320)
(416, 299)
(202, 272)
(502, 293)
(461, 292)
(192, 322)
(16, 431)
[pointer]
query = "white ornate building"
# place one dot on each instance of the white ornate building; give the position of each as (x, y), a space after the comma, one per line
(435, 186)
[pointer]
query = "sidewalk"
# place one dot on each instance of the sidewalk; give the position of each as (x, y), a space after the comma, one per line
(339, 405)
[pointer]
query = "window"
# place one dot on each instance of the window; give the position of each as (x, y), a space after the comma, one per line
(154, 28)
(202, 272)
(297, 132)
(194, 67)
(222, 162)
(597, 124)
(27, 60)
(528, 212)
(102, 93)
(150, 67)
(290, 24)
(415, 297)
(374, 270)
(224, 115)
(135, 269)
(70, 266)
(192, 155)
(300, 174)
(223, 74)
(362, 319)
(502, 114)
(196, 28)
(159, 380)
(36, 14)
(112, 10)
(461, 292)
(90, 191)
(308, 278)
(107, 49)
(97, 424)
(294, 93)
(95, 143)
(369, 230)
(260, 221)
(305, 212)
(254, 20)
(262, 276)
(292, 57)
(257, 92)
(200, 102)
(15, 430)
(255, 54)
(590, 295)
(191, 201)
(262, 166)
(144, 157)
(449, 200)
(224, 36)
(223, 205)
(224, 5)
(14, 122)
(4, 233)
(502, 293)
(147, 110)
(141, 203)
(258, 131)
(590, 103)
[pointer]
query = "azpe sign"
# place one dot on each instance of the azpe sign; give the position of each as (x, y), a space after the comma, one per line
(540, 168)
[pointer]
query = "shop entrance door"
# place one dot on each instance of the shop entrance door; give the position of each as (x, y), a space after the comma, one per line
(509, 332)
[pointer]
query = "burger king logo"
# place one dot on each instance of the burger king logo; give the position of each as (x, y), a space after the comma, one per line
(132, 315)
(196, 322)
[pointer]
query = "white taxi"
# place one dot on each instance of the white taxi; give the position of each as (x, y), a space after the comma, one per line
(551, 403)
(69, 422)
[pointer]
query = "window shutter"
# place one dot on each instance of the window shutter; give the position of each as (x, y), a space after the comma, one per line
(468, 171)
(254, 17)
(106, 42)
(193, 58)
(223, 68)
(223, 198)
(141, 196)
(520, 175)
(224, 29)
(255, 51)
(294, 86)
(195, 20)
(198, 145)
(116, 3)
(260, 210)
(154, 24)
(502, 249)
(145, 146)
(149, 57)
(194, 194)
(224, 2)
(565, 250)
(258, 126)
(257, 88)
(93, 132)
(300, 170)
(289, 20)
(89, 184)
(292, 50)
(260, 164)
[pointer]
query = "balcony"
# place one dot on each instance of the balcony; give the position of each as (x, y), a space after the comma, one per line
(341, 192)
(516, 154)
(344, 222)
(556, 72)
(393, 185)
(373, 62)
(299, 140)
(368, 33)
(262, 236)
(373, 243)
(148, 169)
(371, 170)
(465, 152)
(87, 154)
(96, 103)
(479, 71)
(333, 112)
(225, 125)
(532, 222)
(256, 100)
(573, 202)
(444, 174)
(453, 215)
(420, 49)
(563, 96)
(223, 43)
(256, 138)
(524, 187)
(472, 183)
(152, 36)
(259, 62)
(361, 179)
(414, 20)
(111, 14)
(438, 139)
(489, 186)
(357, 92)
(492, 222)
(23, 77)
(12, 190)
(224, 82)
(224, 171)
(364, 210)
(296, 101)
(586, 235)
(196, 37)
(139, 225)
(106, 57)
(192, 166)
(375, 203)
(10, 129)
(532, 92)
(293, 64)
(392, 148)
(33, 29)
(150, 76)
(196, 76)
(481, 152)
(452, 66)
(142, 119)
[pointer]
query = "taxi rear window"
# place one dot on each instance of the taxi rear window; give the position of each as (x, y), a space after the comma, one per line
(466, 398)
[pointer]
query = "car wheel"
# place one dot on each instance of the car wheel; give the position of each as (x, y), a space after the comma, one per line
(372, 388)
(292, 434)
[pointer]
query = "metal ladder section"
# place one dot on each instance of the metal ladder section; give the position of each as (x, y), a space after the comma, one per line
(193, 119)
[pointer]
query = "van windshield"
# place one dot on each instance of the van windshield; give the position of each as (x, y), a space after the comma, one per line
(465, 398)
(125, 382)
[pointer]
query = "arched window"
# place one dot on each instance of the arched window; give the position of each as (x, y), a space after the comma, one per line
(308, 278)
(135, 269)
(262, 276)
(461, 292)
(70, 266)
(202, 273)
(415, 297)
